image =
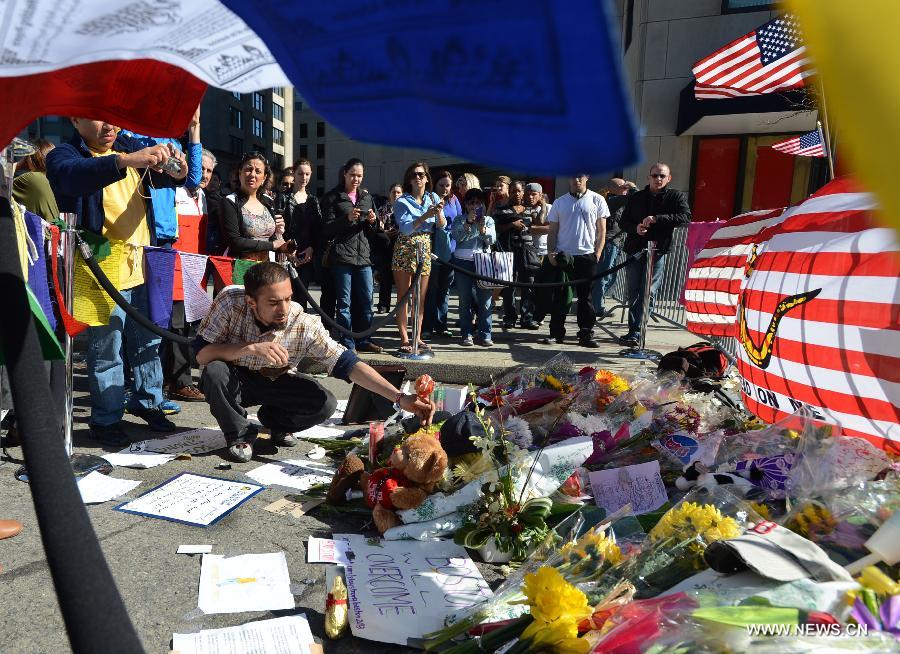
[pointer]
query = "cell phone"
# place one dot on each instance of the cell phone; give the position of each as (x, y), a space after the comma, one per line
(479, 213)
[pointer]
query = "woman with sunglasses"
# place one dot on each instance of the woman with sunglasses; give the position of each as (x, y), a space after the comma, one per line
(252, 228)
(348, 212)
(417, 213)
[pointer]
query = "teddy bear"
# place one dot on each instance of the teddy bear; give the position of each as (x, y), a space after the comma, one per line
(416, 466)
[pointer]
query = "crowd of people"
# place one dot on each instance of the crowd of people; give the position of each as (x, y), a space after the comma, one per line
(144, 191)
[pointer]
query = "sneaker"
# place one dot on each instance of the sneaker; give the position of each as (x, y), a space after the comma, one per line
(186, 394)
(550, 340)
(284, 438)
(155, 418)
(630, 340)
(467, 341)
(241, 448)
(168, 407)
(110, 435)
(485, 342)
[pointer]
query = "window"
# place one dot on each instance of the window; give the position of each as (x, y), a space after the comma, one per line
(258, 101)
(320, 173)
(746, 5)
(257, 127)
(277, 136)
(304, 130)
(304, 151)
(298, 105)
(235, 95)
(277, 112)
(235, 117)
(320, 150)
(237, 145)
(320, 129)
(279, 91)
(277, 162)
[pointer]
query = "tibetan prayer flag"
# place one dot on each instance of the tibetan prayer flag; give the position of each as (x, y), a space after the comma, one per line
(92, 305)
(222, 272)
(197, 302)
(159, 271)
(241, 266)
(37, 270)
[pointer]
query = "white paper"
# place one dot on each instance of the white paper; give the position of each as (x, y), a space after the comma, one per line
(194, 499)
(640, 485)
(249, 582)
(294, 473)
(194, 549)
(319, 431)
(201, 36)
(454, 399)
(405, 589)
(97, 487)
(338, 416)
(327, 550)
(193, 441)
(142, 460)
(290, 635)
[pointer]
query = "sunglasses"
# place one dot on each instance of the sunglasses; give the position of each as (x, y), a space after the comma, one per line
(659, 175)
(420, 174)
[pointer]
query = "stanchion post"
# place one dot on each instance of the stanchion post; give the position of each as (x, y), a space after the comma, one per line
(641, 352)
(415, 355)
(68, 245)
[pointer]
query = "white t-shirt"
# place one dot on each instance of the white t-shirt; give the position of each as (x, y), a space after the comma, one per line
(577, 220)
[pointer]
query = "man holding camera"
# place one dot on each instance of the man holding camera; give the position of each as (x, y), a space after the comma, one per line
(100, 176)
(251, 343)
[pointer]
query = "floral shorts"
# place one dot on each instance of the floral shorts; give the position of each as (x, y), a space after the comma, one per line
(405, 253)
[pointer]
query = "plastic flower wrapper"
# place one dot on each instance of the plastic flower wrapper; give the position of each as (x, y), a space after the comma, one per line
(638, 624)
(675, 546)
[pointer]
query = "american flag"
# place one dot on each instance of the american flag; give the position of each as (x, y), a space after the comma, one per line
(768, 59)
(812, 293)
(805, 145)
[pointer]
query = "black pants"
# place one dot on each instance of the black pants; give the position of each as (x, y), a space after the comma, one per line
(177, 358)
(584, 268)
(289, 403)
(383, 257)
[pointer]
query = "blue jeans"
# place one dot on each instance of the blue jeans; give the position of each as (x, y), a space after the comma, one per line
(353, 301)
(472, 297)
(106, 377)
(635, 274)
(437, 298)
(601, 286)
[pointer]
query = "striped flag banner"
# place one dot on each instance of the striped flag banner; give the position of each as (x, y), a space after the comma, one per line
(770, 58)
(805, 145)
(818, 315)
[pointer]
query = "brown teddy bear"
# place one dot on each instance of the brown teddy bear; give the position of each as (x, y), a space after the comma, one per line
(416, 466)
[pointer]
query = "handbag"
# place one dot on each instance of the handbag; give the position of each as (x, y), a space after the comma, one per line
(498, 265)
(531, 260)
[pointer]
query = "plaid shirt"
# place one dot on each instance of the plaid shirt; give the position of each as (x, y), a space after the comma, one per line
(230, 320)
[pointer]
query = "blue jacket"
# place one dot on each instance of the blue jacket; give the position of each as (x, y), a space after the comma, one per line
(163, 199)
(78, 180)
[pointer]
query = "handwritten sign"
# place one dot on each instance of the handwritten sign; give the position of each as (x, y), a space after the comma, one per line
(327, 550)
(192, 499)
(295, 473)
(194, 441)
(639, 485)
(418, 582)
(249, 582)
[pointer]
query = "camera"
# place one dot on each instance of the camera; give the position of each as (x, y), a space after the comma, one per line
(172, 166)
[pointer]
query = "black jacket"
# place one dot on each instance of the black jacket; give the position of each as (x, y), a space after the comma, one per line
(671, 210)
(351, 239)
(238, 242)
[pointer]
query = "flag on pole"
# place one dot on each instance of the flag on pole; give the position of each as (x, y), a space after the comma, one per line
(805, 145)
(770, 58)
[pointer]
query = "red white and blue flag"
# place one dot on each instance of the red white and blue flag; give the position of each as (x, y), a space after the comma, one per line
(805, 145)
(770, 58)
(813, 297)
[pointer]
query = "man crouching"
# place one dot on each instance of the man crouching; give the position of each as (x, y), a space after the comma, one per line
(251, 343)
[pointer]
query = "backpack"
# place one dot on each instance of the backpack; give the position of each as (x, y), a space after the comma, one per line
(697, 361)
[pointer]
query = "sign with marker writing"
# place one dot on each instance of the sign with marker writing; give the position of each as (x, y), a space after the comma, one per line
(639, 485)
(420, 583)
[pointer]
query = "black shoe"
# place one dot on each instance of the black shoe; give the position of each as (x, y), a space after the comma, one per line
(588, 342)
(154, 418)
(110, 435)
(284, 439)
(630, 341)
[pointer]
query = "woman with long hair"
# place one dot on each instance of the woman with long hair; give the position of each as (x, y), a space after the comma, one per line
(418, 212)
(304, 222)
(252, 228)
(348, 211)
(30, 187)
(500, 194)
(474, 232)
(384, 248)
(465, 182)
(438, 299)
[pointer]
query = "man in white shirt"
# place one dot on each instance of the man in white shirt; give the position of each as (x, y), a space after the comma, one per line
(578, 228)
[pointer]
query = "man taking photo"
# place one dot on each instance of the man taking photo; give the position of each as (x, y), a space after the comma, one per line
(251, 343)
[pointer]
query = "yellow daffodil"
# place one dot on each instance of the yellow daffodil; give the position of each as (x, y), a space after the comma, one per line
(559, 637)
(761, 509)
(874, 579)
(551, 596)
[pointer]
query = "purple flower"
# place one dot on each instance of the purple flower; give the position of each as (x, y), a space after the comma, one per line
(565, 431)
(888, 619)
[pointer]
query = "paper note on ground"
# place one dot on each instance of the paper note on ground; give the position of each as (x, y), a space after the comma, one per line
(194, 549)
(193, 499)
(92, 305)
(128, 459)
(327, 550)
(193, 441)
(338, 414)
(294, 473)
(639, 485)
(97, 487)
(405, 589)
(289, 635)
(286, 506)
(319, 431)
(249, 582)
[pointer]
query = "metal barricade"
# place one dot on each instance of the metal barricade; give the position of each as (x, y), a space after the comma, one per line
(667, 305)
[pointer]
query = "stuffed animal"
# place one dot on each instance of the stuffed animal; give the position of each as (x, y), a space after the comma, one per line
(415, 469)
(697, 474)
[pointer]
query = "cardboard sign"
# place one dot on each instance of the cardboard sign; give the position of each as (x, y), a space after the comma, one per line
(639, 485)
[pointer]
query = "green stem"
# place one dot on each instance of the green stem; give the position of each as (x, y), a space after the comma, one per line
(493, 640)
